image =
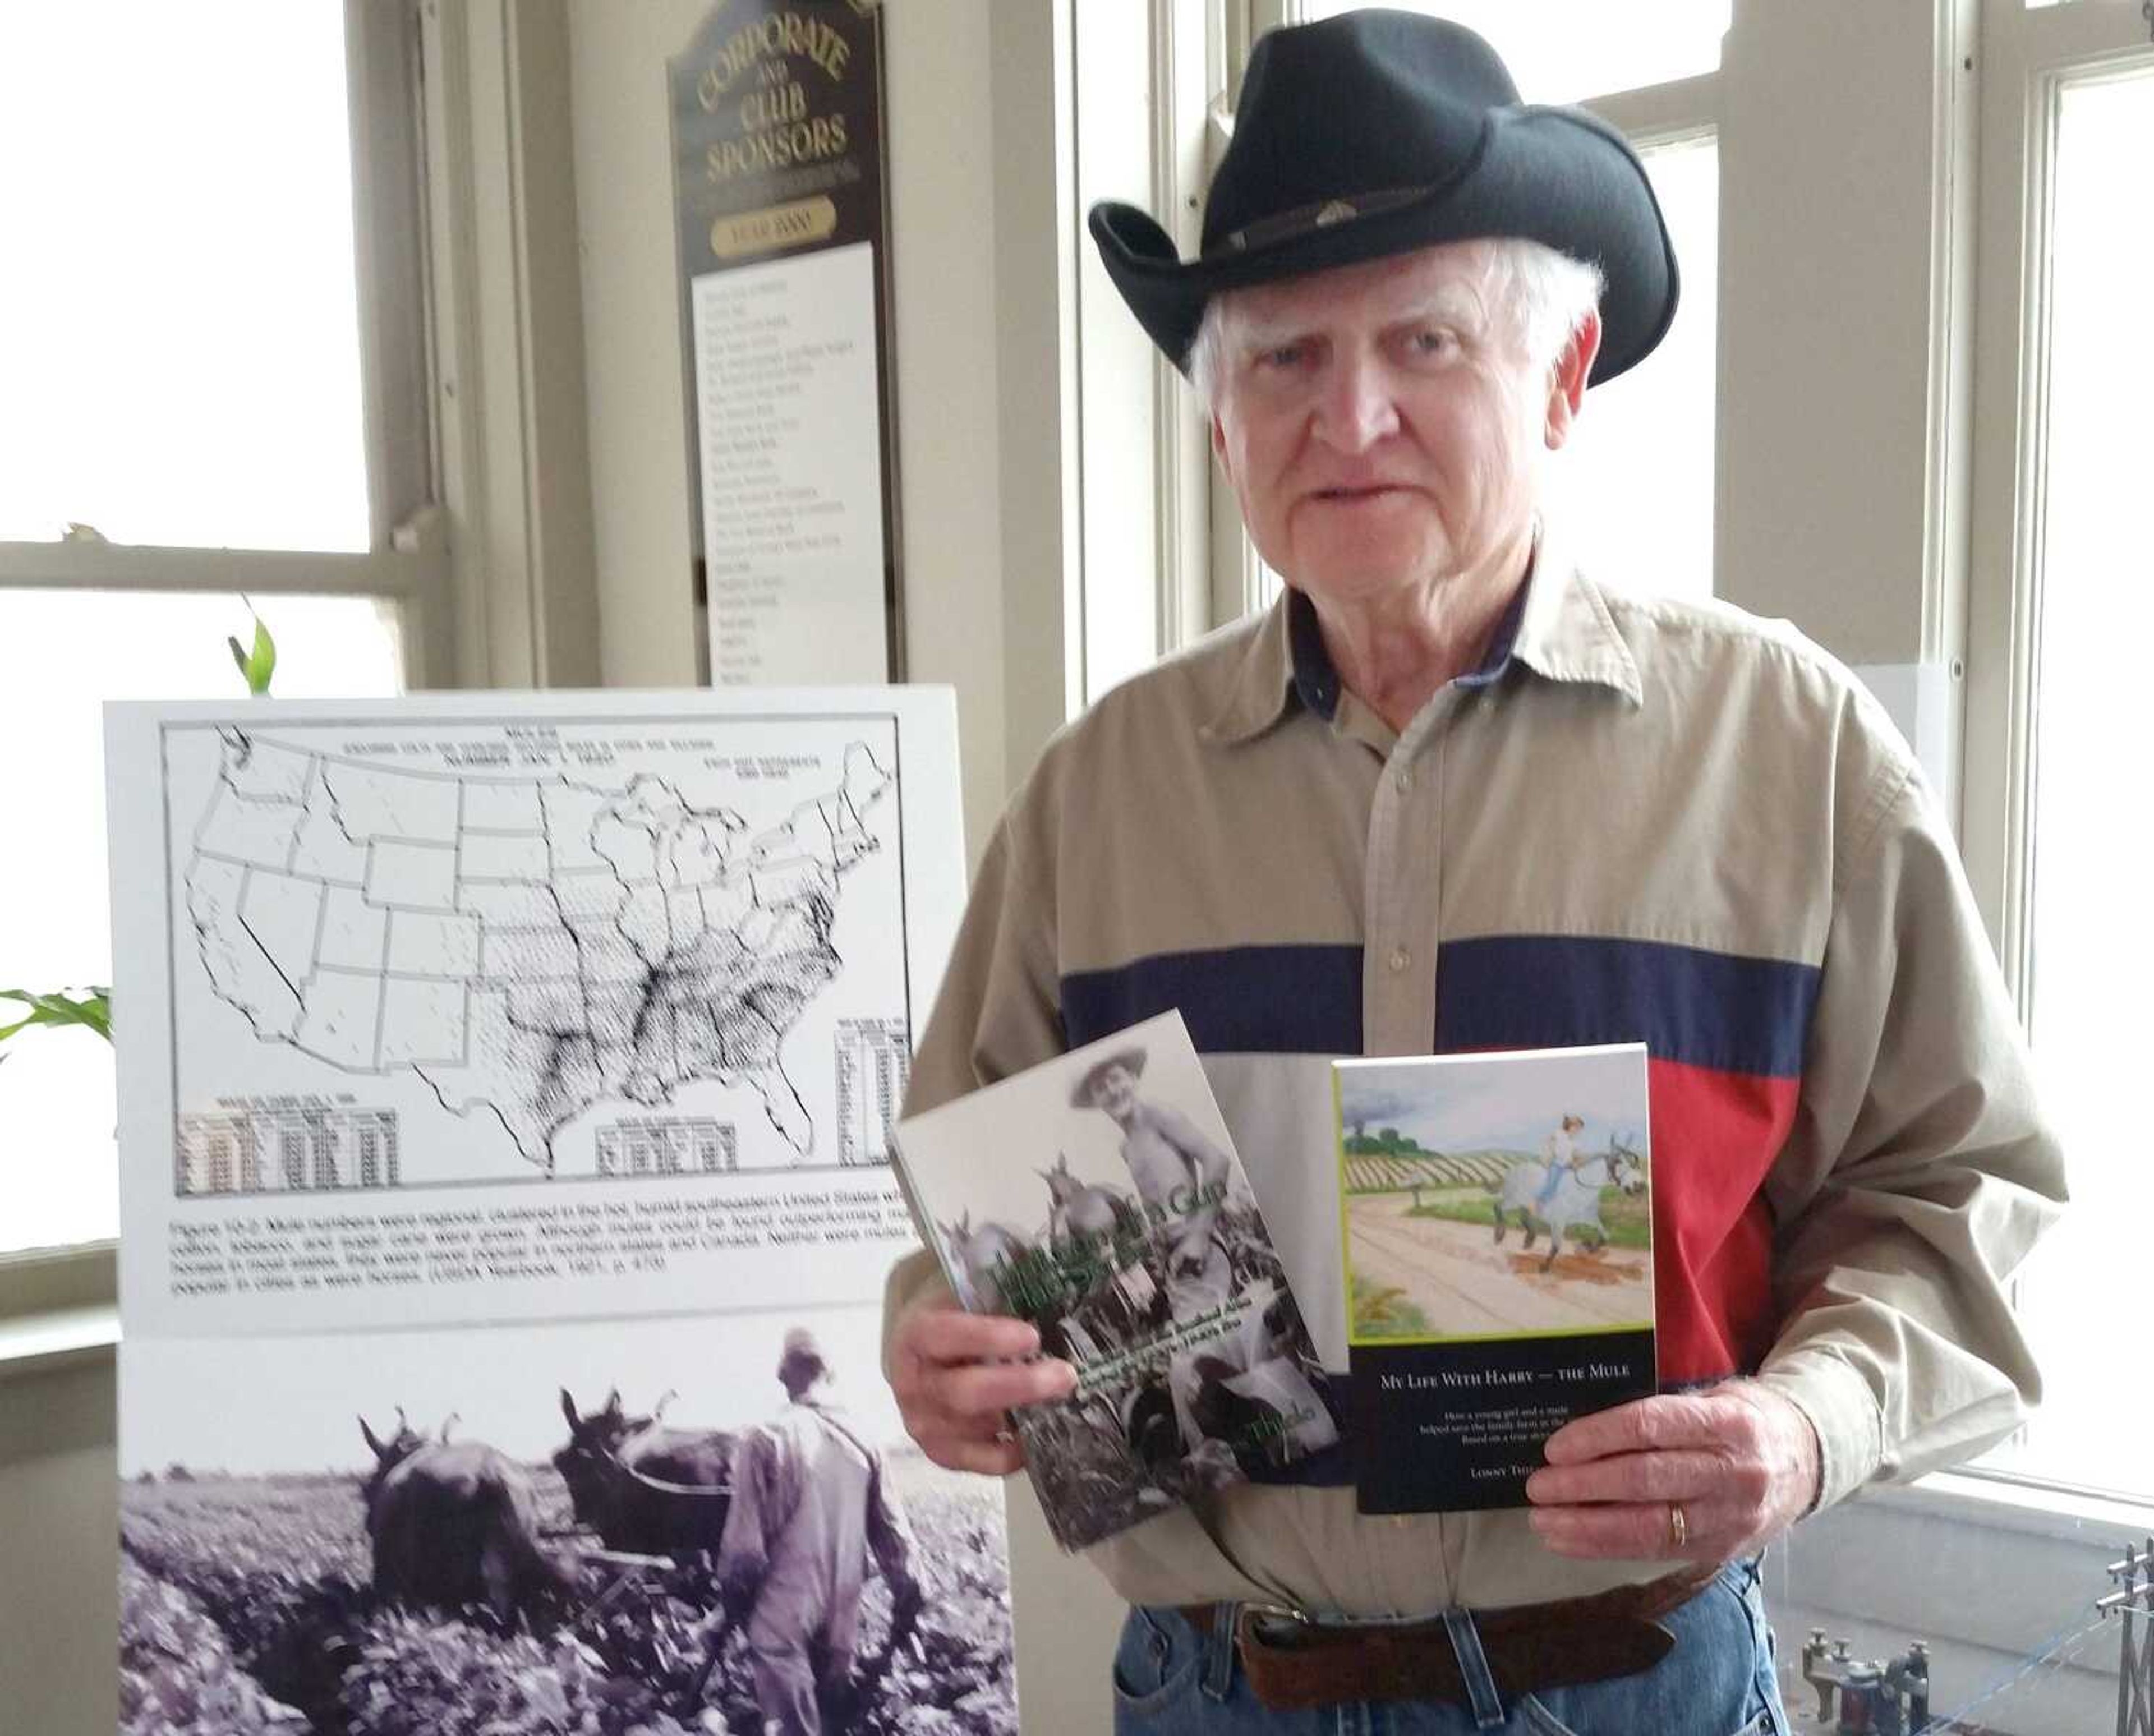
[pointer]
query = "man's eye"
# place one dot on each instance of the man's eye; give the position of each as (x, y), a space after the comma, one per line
(1282, 355)
(1433, 341)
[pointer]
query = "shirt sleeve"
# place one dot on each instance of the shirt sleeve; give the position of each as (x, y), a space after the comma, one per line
(755, 1511)
(997, 1012)
(1918, 1172)
(889, 1536)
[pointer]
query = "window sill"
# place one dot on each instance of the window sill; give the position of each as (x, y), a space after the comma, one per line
(63, 1338)
(58, 1307)
(1999, 1505)
(1988, 1573)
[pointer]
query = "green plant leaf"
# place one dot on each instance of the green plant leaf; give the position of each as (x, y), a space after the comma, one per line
(94, 1010)
(262, 664)
(257, 665)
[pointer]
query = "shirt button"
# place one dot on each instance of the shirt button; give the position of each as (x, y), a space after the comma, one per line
(1400, 958)
(1402, 782)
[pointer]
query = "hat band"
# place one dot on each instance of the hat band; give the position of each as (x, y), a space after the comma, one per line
(1305, 219)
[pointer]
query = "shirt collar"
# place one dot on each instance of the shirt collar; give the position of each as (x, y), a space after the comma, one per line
(1557, 625)
(1566, 632)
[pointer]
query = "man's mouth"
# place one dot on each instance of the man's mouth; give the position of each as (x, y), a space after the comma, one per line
(1372, 491)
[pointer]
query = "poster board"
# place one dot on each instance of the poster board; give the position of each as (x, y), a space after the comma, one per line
(500, 1066)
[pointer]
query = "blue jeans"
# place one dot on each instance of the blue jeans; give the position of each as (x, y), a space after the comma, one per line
(1718, 1681)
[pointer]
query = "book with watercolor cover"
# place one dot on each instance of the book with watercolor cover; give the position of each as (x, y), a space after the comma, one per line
(1496, 1223)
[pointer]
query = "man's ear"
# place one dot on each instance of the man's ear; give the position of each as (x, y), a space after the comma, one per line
(1567, 382)
(1219, 439)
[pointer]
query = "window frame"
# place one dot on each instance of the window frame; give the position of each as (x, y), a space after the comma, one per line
(1140, 505)
(471, 384)
(406, 563)
(44, 1291)
(2029, 56)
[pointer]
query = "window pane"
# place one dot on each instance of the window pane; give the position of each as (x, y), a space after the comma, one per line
(2093, 837)
(1565, 51)
(62, 654)
(178, 322)
(1635, 483)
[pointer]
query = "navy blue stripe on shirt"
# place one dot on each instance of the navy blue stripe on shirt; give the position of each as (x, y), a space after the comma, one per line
(1686, 1005)
(1236, 1000)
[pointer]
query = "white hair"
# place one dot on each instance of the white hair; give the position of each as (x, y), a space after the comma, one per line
(1548, 294)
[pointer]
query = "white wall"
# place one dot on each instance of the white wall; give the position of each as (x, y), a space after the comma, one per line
(942, 199)
(59, 1499)
(978, 247)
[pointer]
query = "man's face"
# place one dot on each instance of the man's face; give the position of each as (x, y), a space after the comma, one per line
(1381, 423)
(1115, 1091)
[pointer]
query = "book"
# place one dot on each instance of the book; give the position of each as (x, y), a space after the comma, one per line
(1097, 1196)
(1496, 1218)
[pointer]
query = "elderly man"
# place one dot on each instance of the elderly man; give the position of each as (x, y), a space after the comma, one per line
(1343, 829)
(809, 1508)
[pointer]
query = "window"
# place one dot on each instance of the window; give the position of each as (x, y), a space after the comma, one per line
(1572, 51)
(61, 653)
(200, 402)
(1648, 435)
(183, 368)
(2058, 834)
(1142, 459)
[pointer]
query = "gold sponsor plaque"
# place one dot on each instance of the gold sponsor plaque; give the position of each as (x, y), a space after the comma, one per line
(797, 224)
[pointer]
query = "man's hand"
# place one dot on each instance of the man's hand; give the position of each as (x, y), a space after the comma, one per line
(957, 1379)
(1700, 1477)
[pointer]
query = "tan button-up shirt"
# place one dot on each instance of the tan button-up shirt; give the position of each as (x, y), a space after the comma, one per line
(1642, 821)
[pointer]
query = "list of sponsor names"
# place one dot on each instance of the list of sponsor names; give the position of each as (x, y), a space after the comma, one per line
(791, 468)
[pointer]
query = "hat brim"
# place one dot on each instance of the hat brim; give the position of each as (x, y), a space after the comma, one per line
(1533, 176)
(1130, 1060)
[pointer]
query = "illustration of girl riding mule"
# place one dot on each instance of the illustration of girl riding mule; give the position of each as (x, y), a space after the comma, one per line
(1563, 1191)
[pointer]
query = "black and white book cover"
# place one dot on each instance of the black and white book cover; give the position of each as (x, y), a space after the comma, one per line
(1097, 1196)
(1496, 1213)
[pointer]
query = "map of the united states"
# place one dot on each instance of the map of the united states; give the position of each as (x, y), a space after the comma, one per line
(528, 946)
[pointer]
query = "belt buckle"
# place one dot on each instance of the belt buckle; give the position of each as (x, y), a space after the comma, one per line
(1295, 1620)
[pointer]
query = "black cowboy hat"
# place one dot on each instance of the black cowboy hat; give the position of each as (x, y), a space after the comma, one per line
(1375, 133)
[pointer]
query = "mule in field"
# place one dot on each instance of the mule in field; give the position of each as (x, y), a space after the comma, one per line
(454, 1522)
(1576, 1203)
(643, 1485)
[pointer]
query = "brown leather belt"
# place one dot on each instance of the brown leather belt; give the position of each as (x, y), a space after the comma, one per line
(1294, 1664)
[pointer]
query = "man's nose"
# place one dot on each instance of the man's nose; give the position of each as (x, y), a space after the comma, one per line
(1357, 408)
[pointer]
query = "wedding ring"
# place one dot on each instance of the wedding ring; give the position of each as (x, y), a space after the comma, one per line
(1678, 1526)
